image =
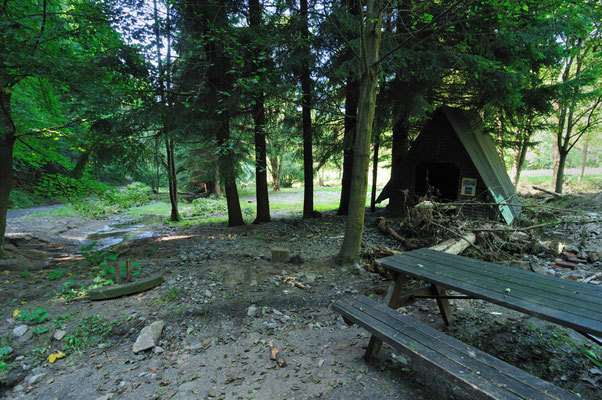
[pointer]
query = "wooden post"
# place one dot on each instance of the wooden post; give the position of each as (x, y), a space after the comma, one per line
(117, 274)
(392, 300)
(128, 270)
(444, 306)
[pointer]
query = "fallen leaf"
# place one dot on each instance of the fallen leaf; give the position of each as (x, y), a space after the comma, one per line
(55, 356)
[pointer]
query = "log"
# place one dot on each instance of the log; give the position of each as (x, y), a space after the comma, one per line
(382, 226)
(113, 291)
(547, 191)
(456, 246)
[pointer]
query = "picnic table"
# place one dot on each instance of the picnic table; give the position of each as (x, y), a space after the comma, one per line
(565, 302)
(568, 303)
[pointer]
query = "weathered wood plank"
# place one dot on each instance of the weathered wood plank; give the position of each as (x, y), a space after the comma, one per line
(480, 374)
(113, 291)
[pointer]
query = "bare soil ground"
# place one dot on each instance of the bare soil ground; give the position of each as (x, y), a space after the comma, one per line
(225, 300)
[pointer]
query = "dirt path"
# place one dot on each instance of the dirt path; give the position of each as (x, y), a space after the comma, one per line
(223, 302)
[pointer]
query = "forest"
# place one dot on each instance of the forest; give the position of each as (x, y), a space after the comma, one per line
(196, 138)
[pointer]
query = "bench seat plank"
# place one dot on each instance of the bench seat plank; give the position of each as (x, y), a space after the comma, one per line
(480, 374)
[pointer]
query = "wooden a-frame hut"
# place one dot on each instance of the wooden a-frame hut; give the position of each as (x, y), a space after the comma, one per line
(453, 159)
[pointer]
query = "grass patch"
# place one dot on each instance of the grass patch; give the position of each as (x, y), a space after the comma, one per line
(590, 183)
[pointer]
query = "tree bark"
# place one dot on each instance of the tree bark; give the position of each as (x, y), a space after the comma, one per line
(374, 173)
(583, 159)
(352, 92)
(305, 78)
(261, 173)
(558, 180)
(223, 136)
(172, 179)
(80, 165)
(401, 127)
(276, 170)
(7, 142)
(519, 160)
(370, 40)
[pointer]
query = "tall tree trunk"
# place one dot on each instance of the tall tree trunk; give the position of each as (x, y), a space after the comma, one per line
(401, 126)
(276, 170)
(370, 41)
(7, 142)
(261, 173)
(80, 165)
(164, 80)
(227, 161)
(217, 185)
(583, 159)
(213, 18)
(305, 78)
(172, 178)
(352, 93)
(519, 160)
(558, 179)
(374, 173)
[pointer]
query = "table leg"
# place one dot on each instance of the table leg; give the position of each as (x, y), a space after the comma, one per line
(392, 300)
(444, 306)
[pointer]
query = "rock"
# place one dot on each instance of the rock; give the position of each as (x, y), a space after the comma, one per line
(252, 311)
(38, 370)
(36, 378)
(207, 293)
(59, 335)
(158, 350)
(575, 275)
(28, 335)
(280, 255)
(107, 396)
(147, 339)
(20, 330)
(308, 278)
(592, 257)
(522, 264)
(196, 346)
(296, 259)
(7, 350)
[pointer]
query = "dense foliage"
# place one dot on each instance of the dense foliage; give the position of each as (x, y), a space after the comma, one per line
(201, 94)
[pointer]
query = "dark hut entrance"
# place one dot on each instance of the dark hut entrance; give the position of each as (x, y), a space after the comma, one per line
(439, 180)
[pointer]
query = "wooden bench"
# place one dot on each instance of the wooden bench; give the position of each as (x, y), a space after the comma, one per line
(481, 375)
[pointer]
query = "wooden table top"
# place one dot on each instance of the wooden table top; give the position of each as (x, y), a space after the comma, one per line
(573, 304)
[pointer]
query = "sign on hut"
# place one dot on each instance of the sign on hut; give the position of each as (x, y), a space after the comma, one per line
(453, 159)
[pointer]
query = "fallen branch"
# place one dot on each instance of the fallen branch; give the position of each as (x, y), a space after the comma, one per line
(547, 191)
(382, 226)
(275, 355)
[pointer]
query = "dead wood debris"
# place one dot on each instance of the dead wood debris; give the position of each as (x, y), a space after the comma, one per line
(275, 355)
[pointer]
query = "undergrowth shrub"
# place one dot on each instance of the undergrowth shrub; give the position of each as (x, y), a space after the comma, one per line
(204, 207)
